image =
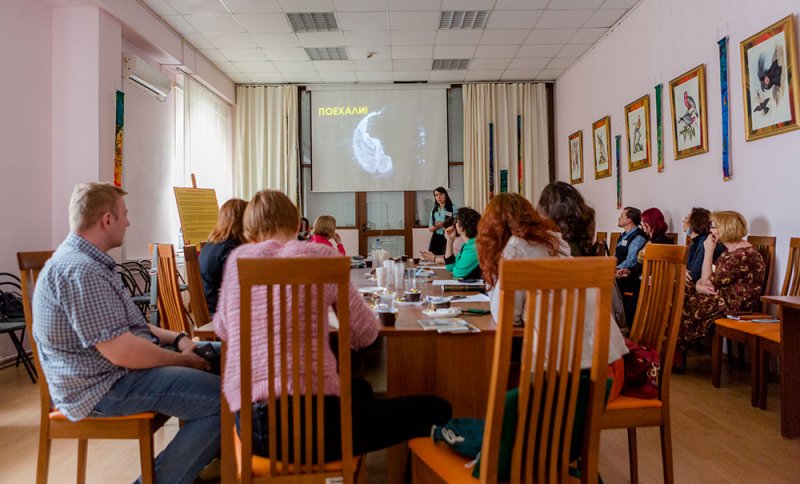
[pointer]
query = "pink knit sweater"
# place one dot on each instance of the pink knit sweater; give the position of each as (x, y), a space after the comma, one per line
(363, 323)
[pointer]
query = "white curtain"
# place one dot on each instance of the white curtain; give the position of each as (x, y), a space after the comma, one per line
(266, 140)
(500, 105)
(207, 140)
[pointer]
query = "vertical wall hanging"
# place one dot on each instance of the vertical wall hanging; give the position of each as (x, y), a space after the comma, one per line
(723, 88)
(618, 148)
(503, 181)
(118, 132)
(659, 130)
(491, 160)
(520, 178)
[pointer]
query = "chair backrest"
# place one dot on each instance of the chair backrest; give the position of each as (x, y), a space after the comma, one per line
(613, 239)
(791, 281)
(556, 292)
(672, 236)
(197, 296)
(765, 244)
(658, 312)
(10, 283)
(30, 264)
(170, 305)
(600, 236)
(295, 280)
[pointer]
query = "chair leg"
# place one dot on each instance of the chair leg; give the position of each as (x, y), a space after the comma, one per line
(83, 448)
(632, 456)
(666, 450)
(43, 463)
(716, 359)
(26, 362)
(146, 453)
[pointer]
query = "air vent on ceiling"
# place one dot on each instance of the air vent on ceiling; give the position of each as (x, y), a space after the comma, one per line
(312, 21)
(449, 64)
(463, 19)
(327, 53)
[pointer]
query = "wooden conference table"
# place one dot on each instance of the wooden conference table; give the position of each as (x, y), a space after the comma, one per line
(790, 362)
(456, 367)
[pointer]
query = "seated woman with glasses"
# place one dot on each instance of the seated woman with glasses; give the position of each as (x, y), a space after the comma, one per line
(324, 233)
(733, 284)
(463, 265)
(697, 226)
(271, 222)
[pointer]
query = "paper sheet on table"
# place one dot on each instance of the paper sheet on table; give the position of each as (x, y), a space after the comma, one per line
(471, 298)
(455, 282)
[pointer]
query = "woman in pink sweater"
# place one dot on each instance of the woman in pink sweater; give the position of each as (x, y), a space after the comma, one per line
(271, 222)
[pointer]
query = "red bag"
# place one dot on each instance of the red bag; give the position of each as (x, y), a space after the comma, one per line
(641, 371)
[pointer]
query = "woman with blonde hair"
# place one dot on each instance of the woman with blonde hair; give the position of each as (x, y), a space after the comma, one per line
(271, 222)
(733, 284)
(226, 236)
(324, 232)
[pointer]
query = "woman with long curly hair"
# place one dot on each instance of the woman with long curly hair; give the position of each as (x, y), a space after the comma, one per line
(511, 228)
(564, 205)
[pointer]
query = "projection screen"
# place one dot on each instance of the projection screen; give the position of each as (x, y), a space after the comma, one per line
(378, 140)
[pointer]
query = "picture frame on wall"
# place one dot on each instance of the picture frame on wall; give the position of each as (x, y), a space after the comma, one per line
(601, 141)
(576, 157)
(769, 81)
(687, 95)
(637, 129)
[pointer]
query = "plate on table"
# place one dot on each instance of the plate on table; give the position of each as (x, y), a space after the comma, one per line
(371, 289)
(442, 312)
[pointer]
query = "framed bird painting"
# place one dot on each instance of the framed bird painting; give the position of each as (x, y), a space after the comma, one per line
(601, 141)
(769, 81)
(576, 157)
(687, 95)
(637, 127)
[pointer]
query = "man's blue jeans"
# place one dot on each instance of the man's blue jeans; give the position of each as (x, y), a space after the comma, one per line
(191, 395)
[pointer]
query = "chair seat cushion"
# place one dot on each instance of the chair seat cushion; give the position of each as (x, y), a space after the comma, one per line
(57, 415)
(442, 460)
(748, 327)
(626, 403)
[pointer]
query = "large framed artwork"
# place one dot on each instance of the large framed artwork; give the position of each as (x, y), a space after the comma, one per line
(769, 81)
(637, 128)
(576, 157)
(687, 95)
(601, 140)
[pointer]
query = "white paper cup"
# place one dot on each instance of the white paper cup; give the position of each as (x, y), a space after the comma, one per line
(380, 274)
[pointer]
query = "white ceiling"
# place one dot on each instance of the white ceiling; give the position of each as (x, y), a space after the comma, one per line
(391, 40)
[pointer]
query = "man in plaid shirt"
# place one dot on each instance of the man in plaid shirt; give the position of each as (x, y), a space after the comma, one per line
(100, 356)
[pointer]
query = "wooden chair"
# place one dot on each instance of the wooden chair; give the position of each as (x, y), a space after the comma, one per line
(171, 310)
(54, 425)
(658, 316)
(769, 341)
(197, 295)
(673, 237)
(547, 395)
(300, 279)
(9, 283)
(745, 333)
(613, 239)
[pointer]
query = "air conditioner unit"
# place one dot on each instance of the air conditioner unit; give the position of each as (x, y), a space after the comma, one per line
(146, 76)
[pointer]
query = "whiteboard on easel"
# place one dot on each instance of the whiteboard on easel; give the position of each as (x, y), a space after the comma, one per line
(198, 210)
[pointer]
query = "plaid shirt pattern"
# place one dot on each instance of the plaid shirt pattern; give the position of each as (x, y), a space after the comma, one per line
(79, 302)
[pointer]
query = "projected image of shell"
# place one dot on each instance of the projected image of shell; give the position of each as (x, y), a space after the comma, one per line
(368, 150)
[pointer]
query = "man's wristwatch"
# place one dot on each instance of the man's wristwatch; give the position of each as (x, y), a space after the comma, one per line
(178, 338)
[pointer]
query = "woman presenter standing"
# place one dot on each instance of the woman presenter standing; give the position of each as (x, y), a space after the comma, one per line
(442, 211)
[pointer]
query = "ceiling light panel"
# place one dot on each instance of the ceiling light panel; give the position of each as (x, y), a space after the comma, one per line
(327, 53)
(449, 64)
(463, 19)
(312, 21)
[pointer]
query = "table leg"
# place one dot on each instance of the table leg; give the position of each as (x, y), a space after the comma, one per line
(790, 372)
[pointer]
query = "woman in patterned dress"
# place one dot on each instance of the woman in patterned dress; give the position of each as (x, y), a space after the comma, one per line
(733, 285)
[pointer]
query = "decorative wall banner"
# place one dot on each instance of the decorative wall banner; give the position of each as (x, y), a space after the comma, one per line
(769, 81)
(520, 178)
(659, 129)
(618, 144)
(503, 181)
(118, 135)
(576, 157)
(491, 160)
(723, 88)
